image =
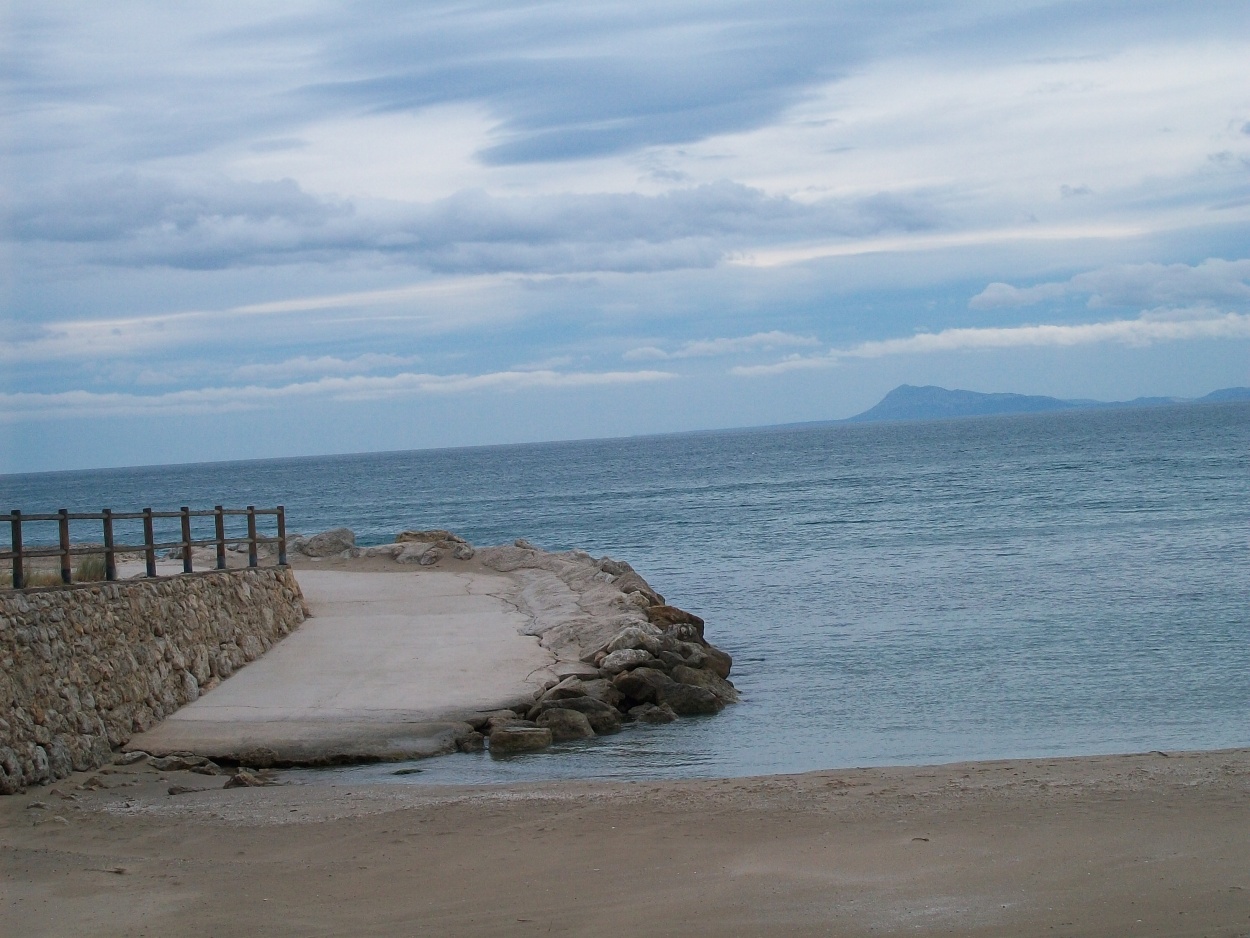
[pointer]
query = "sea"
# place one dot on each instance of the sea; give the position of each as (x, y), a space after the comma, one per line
(899, 593)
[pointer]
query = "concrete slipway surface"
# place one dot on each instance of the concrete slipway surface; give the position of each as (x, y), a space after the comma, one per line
(383, 670)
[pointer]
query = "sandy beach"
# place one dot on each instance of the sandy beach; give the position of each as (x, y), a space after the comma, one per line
(1148, 844)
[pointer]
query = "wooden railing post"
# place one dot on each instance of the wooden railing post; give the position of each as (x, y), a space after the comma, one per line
(186, 539)
(67, 568)
(219, 531)
(149, 542)
(251, 535)
(281, 536)
(110, 555)
(19, 573)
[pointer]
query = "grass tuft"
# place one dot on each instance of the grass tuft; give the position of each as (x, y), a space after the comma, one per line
(89, 569)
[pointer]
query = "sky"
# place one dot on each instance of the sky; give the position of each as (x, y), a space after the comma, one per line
(240, 230)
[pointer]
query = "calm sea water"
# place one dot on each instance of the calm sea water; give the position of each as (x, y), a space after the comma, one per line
(1050, 584)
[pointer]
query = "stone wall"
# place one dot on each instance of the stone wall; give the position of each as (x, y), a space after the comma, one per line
(84, 667)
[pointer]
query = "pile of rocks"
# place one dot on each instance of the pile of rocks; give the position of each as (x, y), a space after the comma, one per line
(625, 654)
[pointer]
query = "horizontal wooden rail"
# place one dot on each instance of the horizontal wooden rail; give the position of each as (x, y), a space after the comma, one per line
(110, 549)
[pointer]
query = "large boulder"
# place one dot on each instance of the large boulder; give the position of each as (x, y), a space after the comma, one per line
(501, 718)
(329, 543)
(643, 685)
(429, 547)
(718, 660)
(428, 537)
(505, 740)
(634, 637)
(701, 677)
(603, 718)
(581, 669)
(624, 660)
(569, 687)
(602, 689)
(631, 582)
(689, 700)
(566, 724)
(676, 622)
(650, 713)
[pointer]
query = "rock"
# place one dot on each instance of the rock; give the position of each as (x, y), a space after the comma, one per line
(614, 567)
(411, 553)
(695, 655)
(384, 550)
(644, 685)
(10, 772)
(634, 637)
(669, 660)
(471, 742)
(506, 740)
(638, 599)
(677, 622)
(602, 689)
(39, 769)
(432, 556)
(631, 582)
(208, 768)
(523, 544)
(581, 669)
(624, 660)
(689, 700)
(244, 779)
(432, 536)
(60, 762)
(650, 713)
(178, 763)
(565, 724)
(718, 661)
(603, 717)
(184, 789)
(463, 552)
(569, 687)
(329, 543)
(700, 677)
(499, 718)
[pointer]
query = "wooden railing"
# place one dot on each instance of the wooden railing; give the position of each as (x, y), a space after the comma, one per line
(65, 550)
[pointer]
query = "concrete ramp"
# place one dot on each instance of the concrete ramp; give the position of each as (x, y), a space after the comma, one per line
(387, 668)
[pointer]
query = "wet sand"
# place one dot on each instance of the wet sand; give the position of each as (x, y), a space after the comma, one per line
(1121, 845)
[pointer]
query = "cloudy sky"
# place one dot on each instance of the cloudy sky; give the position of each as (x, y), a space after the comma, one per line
(240, 229)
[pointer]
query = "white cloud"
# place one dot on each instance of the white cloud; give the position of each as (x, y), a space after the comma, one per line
(1214, 280)
(1145, 330)
(303, 365)
(439, 305)
(65, 404)
(711, 348)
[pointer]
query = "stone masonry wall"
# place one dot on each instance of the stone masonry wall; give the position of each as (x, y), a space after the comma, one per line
(84, 667)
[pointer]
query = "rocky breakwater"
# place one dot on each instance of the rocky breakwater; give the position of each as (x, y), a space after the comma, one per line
(622, 653)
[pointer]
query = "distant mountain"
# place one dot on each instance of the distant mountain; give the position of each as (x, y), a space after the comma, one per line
(1227, 394)
(908, 402)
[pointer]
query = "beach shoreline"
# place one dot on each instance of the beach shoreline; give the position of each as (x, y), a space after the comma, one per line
(1148, 843)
